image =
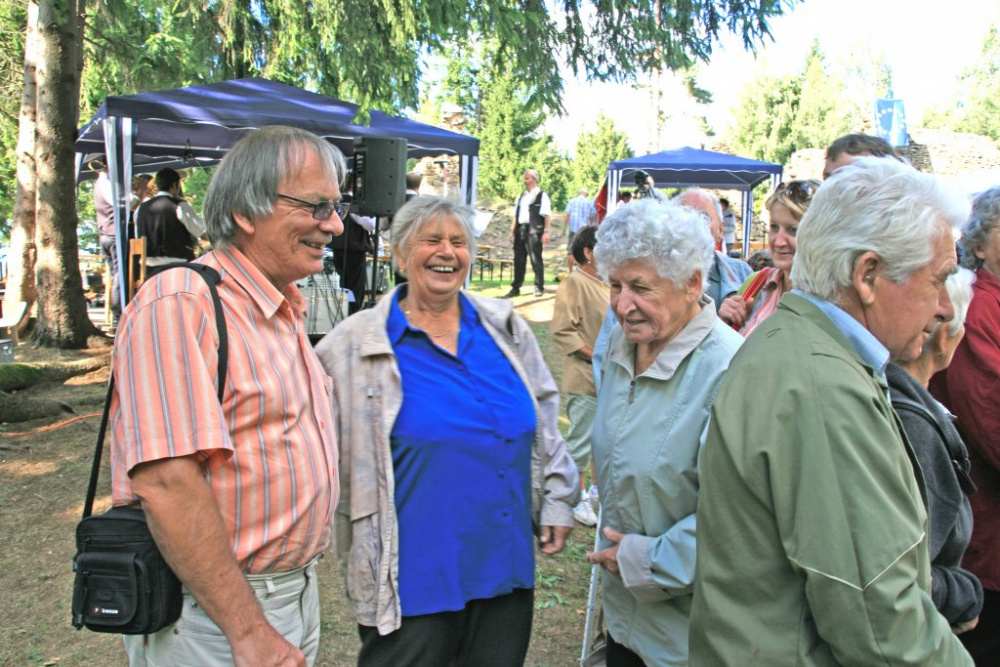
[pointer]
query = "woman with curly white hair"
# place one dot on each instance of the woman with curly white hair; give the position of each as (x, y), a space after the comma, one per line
(663, 368)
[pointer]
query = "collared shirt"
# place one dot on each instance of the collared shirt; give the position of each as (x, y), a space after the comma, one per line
(725, 277)
(269, 451)
(528, 198)
(581, 213)
(765, 301)
(871, 351)
(461, 453)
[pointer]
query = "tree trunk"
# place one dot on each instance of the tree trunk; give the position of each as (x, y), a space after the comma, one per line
(62, 310)
(21, 273)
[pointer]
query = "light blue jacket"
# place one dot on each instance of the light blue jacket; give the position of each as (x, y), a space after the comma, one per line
(647, 440)
(726, 276)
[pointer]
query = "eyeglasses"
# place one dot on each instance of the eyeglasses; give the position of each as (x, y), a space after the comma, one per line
(321, 210)
(800, 192)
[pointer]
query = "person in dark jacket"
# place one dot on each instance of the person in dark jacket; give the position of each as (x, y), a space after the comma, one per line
(944, 462)
(169, 223)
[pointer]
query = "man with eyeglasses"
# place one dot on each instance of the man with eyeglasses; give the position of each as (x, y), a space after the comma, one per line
(239, 494)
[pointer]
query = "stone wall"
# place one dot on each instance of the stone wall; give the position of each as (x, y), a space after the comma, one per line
(940, 152)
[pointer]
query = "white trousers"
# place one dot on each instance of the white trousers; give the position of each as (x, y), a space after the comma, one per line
(290, 601)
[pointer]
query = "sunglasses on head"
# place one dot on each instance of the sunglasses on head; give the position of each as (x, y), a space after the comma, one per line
(321, 210)
(800, 192)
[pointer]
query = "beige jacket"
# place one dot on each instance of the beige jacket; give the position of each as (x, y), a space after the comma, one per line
(367, 396)
(581, 303)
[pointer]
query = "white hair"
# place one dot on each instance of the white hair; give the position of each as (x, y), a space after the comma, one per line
(879, 205)
(673, 239)
(698, 192)
(959, 286)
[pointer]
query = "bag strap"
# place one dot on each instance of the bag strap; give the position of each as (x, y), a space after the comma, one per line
(211, 278)
(756, 284)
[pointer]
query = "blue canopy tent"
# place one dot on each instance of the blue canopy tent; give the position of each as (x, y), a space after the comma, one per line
(690, 167)
(196, 125)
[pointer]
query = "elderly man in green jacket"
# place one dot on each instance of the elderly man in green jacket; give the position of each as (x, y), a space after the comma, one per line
(812, 529)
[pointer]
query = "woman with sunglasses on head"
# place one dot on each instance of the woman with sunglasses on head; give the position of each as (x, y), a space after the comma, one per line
(760, 293)
(451, 458)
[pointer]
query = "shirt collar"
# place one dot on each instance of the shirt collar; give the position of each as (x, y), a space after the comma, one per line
(396, 324)
(871, 351)
(676, 351)
(257, 286)
(773, 277)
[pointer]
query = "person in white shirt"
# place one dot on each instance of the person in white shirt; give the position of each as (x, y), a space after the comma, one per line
(728, 225)
(529, 232)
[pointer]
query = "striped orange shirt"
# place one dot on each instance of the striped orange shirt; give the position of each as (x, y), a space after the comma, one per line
(269, 451)
(765, 301)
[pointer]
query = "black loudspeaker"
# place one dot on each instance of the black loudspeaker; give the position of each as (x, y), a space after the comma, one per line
(379, 176)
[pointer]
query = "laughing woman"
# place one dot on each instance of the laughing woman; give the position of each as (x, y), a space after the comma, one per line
(663, 368)
(447, 420)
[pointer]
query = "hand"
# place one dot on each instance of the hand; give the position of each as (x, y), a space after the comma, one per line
(267, 648)
(734, 310)
(553, 539)
(959, 628)
(608, 558)
(510, 237)
(545, 237)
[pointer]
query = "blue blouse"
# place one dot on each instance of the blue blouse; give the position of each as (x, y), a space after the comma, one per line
(461, 455)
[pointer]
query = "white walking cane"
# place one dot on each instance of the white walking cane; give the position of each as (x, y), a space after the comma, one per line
(588, 657)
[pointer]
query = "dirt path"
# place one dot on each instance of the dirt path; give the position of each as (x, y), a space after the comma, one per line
(43, 479)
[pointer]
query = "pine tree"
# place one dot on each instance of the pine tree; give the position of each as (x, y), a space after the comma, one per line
(595, 151)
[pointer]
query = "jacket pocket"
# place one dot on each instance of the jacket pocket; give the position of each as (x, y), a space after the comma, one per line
(364, 561)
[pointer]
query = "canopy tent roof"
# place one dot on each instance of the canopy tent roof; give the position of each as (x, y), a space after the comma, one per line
(198, 124)
(185, 127)
(690, 167)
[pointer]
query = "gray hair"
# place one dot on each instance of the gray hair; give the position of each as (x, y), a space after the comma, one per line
(425, 209)
(879, 205)
(985, 216)
(673, 239)
(701, 193)
(534, 174)
(959, 286)
(246, 182)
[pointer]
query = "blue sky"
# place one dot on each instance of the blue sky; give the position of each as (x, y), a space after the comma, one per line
(928, 43)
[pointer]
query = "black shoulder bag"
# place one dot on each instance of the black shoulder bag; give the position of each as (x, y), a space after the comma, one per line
(122, 583)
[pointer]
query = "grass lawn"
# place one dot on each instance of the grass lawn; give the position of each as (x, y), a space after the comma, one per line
(43, 479)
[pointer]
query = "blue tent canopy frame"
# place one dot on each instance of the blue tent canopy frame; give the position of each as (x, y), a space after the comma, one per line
(196, 125)
(692, 167)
